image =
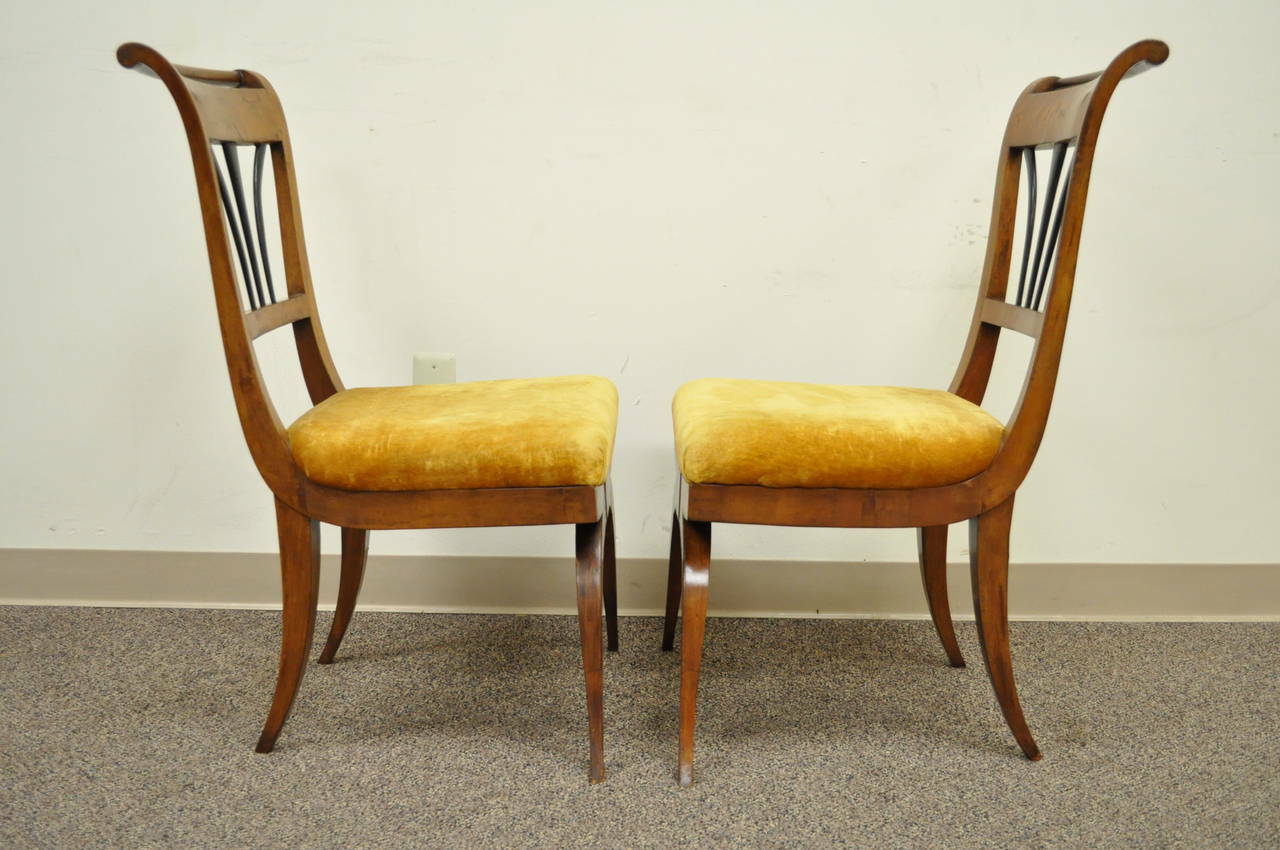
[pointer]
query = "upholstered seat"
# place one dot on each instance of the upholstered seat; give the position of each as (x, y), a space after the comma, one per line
(536, 432)
(778, 434)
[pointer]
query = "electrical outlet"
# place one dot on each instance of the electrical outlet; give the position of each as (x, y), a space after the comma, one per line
(431, 367)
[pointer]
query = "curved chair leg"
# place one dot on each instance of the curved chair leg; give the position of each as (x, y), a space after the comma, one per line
(989, 567)
(300, 573)
(933, 571)
(610, 581)
(674, 575)
(589, 538)
(697, 564)
(355, 552)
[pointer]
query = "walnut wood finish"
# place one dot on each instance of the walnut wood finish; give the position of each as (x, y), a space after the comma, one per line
(590, 539)
(1013, 317)
(1049, 111)
(697, 573)
(300, 576)
(989, 570)
(240, 107)
(355, 552)
(933, 572)
(609, 580)
(268, 318)
(675, 570)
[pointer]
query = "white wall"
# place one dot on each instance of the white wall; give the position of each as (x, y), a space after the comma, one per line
(652, 192)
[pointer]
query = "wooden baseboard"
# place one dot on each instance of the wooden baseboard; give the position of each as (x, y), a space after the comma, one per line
(542, 585)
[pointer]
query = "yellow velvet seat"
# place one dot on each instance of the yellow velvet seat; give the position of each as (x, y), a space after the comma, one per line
(535, 432)
(778, 434)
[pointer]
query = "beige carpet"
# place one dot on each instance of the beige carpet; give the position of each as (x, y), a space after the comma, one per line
(134, 728)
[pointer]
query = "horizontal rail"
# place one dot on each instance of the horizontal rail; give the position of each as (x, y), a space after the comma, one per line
(206, 75)
(236, 114)
(234, 79)
(1045, 118)
(1013, 317)
(268, 318)
(1065, 82)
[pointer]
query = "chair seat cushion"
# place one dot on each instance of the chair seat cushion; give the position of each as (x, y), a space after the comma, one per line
(777, 434)
(537, 432)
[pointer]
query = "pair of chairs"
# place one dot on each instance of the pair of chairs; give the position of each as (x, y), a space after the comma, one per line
(537, 452)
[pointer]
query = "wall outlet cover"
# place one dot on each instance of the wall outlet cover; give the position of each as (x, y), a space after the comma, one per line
(432, 367)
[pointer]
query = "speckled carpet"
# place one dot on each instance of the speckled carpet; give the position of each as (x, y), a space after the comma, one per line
(135, 728)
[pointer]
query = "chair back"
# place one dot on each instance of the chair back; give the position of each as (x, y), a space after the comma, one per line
(225, 113)
(1054, 123)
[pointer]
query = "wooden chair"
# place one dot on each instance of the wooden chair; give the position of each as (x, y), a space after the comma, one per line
(772, 453)
(497, 453)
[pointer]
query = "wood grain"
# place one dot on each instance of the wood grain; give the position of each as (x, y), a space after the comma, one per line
(609, 578)
(932, 543)
(697, 573)
(300, 577)
(989, 570)
(355, 553)
(1021, 319)
(272, 316)
(589, 538)
(675, 581)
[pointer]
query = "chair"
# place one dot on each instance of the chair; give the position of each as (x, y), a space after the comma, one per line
(772, 453)
(495, 453)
